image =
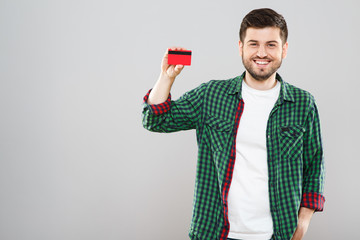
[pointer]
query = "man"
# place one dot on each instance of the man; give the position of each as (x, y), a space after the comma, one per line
(260, 170)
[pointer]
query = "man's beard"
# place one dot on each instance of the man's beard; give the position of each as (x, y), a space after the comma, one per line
(263, 75)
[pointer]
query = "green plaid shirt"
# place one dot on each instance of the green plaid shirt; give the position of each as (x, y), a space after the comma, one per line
(294, 152)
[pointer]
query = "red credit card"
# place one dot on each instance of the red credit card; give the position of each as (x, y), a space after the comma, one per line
(182, 57)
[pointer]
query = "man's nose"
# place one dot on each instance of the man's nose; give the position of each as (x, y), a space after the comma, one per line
(261, 52)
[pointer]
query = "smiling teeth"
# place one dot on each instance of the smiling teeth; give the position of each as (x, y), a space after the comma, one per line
(262, 63)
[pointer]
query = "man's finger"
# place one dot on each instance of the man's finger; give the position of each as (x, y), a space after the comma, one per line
(179, 66)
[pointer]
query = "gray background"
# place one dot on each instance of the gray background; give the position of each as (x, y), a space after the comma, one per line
(75, 160)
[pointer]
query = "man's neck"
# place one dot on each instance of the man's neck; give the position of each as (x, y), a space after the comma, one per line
(260, 85)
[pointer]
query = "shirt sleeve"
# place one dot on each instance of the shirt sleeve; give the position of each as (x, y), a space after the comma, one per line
(314, 168)
(158, 109)
(172, 116)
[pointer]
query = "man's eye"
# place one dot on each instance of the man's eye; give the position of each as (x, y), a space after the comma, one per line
(252, 44)
(272, 45)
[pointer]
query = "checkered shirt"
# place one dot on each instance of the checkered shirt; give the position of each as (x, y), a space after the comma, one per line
(294, 152)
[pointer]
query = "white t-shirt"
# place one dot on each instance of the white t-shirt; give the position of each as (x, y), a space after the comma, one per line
(248, 199)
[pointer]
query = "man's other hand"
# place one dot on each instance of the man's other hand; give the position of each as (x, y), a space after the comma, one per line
(305, 215)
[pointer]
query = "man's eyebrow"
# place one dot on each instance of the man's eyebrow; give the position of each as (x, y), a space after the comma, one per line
(272, 41)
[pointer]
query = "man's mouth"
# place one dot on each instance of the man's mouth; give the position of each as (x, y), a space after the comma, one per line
(262, 62)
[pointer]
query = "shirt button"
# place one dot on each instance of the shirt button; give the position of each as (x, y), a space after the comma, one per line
(268, 136)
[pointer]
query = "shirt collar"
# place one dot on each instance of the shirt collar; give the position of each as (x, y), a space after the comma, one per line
(286, 92)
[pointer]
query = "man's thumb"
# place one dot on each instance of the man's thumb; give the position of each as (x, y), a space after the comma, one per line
(179, 67)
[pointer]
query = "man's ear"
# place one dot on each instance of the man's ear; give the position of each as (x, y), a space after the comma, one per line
(285, 48)
(240, 47)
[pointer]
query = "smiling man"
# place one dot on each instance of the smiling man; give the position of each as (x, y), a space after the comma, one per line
(260, 170)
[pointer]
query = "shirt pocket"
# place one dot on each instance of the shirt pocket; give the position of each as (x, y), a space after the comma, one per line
(291, 141)
(218, 132)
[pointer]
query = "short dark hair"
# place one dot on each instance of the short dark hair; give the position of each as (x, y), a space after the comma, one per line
(261, 18)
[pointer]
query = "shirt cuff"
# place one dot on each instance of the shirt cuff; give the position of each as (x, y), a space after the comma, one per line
(161, 108)
(313, 201)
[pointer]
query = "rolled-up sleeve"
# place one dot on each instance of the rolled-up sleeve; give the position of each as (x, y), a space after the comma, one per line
(172, 116)
(157, 109)
(314, 167)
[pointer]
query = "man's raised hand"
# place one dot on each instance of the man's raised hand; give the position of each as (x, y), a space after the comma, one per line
(171, 71)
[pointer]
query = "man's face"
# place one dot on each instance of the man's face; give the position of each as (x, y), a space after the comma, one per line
(262, 52)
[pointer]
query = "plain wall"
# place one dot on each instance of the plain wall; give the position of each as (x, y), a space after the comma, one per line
(75, 161)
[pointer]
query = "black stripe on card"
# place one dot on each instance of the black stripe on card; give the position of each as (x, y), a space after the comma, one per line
(179, 53)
